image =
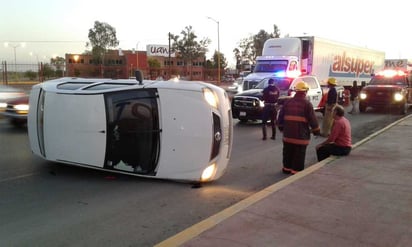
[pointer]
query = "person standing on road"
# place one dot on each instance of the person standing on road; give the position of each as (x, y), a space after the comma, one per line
(297, 120)
(270, 97)
(339, 141)
(354, 92)
(331, 101)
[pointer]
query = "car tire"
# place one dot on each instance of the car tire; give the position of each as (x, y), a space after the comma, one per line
(18, 122)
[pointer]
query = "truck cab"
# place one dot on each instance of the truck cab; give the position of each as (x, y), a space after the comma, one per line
(280, 58)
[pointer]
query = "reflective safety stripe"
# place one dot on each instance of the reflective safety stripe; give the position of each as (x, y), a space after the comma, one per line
(296, 141)
(295, 118)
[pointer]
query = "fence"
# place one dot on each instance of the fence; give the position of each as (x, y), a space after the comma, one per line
(38, 72)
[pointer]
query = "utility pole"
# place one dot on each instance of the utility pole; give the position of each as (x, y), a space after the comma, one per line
(218, 49)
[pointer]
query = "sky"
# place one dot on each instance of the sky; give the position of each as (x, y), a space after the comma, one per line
(38, 30)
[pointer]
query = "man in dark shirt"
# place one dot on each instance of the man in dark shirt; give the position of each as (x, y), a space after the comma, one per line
(331, 101)
(270, 97)
(354, 91)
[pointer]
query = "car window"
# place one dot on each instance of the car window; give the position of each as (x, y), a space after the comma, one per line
(282, 83)
(311, 82)
(73, 85)
(133, 127)
(104, 86)
(271, 66)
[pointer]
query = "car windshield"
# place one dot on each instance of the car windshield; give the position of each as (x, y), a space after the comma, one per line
(282, 83)
(271, 66)
(381, 80)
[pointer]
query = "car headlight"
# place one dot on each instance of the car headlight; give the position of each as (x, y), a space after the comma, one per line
(3, 105)
(261, 103)
(398, 97)
(362, 95)
(210, 97)
(22, 108)
(208, 173)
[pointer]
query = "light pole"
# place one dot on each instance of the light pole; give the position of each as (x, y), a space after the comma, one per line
(15, 58)
(218, 49)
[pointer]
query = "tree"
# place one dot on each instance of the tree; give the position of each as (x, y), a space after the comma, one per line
(187, 47)
(102, 37)
(252, 46)
(223, 62)
(154, 67)
(48, 71)
(30, 74)
(58, 63)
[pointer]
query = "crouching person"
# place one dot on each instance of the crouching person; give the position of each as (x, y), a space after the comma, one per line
(339, 141)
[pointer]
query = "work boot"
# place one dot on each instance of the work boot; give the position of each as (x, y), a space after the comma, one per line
(286, 170)
(273, 134)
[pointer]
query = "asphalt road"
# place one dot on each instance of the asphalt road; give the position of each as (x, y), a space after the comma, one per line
(48, 204)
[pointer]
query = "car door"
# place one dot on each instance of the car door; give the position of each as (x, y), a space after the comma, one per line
(75, 128)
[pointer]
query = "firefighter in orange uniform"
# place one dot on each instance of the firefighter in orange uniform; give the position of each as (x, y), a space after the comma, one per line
(297, 120)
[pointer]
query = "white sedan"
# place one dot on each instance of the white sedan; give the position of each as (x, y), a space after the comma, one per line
(179, 130)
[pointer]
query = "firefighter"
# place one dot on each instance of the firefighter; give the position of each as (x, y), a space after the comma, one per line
(297, 120)
(331, 101)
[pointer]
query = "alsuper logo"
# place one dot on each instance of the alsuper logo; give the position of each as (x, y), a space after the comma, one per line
(347, 64)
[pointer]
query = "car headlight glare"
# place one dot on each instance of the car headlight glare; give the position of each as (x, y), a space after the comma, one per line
(210, 97)
(208, 173)
(362, 95)
(22, 107)
(398, 97)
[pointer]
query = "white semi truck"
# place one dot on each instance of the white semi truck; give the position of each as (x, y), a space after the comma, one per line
(310, 55)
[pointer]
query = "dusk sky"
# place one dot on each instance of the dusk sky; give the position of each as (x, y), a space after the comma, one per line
(53, 28)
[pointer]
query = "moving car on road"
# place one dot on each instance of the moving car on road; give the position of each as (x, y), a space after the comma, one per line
(179, 130)
(7, 93)
(16, 110)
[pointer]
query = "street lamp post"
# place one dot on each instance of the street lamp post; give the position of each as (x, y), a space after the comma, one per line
(15, 57)
(218, 49)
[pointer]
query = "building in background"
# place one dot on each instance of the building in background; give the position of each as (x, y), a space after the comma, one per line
(155, 62)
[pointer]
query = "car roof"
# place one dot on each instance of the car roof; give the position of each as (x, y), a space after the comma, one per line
(70, 85)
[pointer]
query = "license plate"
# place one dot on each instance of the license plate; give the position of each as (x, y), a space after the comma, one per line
(242, 114)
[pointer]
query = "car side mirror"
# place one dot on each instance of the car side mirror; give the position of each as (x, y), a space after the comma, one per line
(139, 76)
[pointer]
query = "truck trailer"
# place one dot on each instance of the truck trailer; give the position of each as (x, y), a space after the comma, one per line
(310, 55)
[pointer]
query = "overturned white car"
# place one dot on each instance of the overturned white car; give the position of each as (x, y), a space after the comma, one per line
(179, 130)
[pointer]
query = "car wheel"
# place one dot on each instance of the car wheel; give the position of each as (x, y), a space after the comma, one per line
(18, 122)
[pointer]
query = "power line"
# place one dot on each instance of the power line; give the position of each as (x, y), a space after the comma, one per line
(44, 41)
